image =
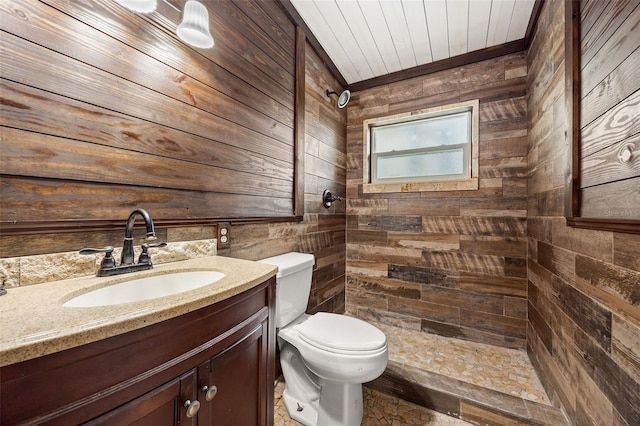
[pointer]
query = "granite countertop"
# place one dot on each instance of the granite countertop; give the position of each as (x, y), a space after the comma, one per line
(34, 322)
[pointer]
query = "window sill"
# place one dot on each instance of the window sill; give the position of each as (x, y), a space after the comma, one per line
(447, 185)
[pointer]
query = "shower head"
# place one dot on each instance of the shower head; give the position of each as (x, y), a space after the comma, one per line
(343, 99)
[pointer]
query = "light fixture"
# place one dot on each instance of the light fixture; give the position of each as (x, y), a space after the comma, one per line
(343, 99)
(140, 6)
(194, 28)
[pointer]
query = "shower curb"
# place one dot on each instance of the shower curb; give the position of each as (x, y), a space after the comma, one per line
(463, 400)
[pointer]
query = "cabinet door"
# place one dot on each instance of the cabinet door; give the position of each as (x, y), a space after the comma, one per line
(239, 375)
(163, 406)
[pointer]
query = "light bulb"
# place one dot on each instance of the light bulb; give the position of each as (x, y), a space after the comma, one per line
(194, 28)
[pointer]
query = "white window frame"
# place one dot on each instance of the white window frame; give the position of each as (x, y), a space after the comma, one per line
(468, 180)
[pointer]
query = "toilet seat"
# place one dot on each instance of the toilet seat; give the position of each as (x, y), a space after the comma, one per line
(341, 334)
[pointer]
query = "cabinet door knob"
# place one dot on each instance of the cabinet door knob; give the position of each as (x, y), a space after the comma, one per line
(210, 392)
(192, 407)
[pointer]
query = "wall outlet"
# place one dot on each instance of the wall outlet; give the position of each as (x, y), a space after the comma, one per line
(224, 235)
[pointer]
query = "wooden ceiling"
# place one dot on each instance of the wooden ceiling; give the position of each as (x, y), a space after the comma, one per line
(370, 40)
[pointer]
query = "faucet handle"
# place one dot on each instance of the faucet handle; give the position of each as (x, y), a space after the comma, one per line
(107, 250)
(147, 246)
(108, 262)
(144, 256)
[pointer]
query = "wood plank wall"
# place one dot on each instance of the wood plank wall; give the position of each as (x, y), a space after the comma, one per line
(322, 232)
(451, 262)
(610, 109)
(104, 110)
(178, 140)
(583, 286)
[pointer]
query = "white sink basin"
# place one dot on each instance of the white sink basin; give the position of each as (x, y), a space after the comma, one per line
(145, 289)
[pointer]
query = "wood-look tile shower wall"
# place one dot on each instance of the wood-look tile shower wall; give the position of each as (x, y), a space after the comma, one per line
(583, 331)
(104, 110)
(454, 262)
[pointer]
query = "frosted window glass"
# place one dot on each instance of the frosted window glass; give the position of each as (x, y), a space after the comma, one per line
(427, 133)
(434, 163)
(429, 146)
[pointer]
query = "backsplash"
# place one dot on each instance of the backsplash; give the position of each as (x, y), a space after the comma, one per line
(36, 269)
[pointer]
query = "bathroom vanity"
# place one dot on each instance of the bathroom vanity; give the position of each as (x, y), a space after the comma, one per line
(204, 357)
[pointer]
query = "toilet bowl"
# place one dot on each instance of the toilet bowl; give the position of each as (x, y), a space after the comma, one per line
(325, 357)
(338, 348)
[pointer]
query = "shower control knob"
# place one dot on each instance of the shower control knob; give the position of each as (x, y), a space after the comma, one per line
(210, 392)
(192, 407)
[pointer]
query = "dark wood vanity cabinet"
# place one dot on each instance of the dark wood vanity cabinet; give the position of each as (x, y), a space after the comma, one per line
(233, 373)
(220, 357)
(163, 406)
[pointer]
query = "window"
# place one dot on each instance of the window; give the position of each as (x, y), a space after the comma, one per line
(429, 150)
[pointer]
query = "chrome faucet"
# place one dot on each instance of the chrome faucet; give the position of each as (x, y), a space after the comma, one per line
(108, 265)
(127, 247)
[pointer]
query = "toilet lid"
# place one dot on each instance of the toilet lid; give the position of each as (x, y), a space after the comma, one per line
(340, 332)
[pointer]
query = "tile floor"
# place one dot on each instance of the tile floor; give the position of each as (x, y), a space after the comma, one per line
(504, 370)
(379, 410)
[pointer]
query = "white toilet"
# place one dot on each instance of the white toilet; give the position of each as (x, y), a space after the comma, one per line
(325, 357)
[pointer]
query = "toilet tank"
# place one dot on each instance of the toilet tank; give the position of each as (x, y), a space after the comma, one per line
(293, 285)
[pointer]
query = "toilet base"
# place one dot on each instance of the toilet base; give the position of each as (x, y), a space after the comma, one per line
(313, 401)
(340, 405)
(305, 413)
(301, 389)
